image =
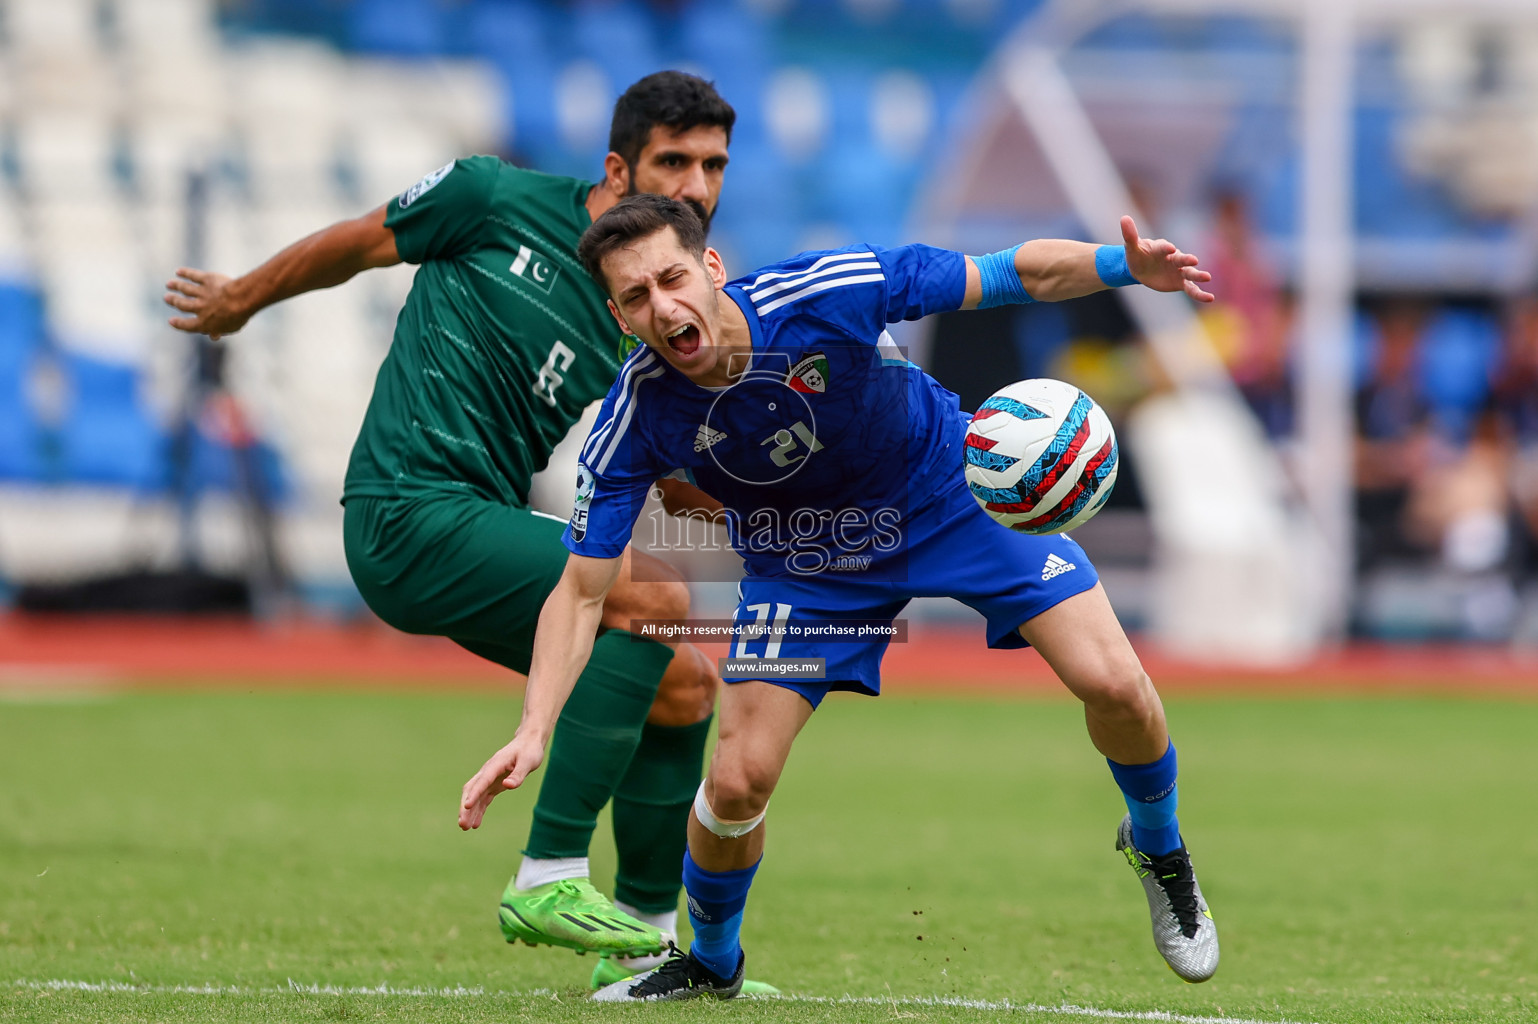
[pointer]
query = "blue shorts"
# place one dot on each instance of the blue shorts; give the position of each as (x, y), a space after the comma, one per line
(1009, 577)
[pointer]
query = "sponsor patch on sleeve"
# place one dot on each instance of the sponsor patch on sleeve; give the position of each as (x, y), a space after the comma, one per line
(583, 500)
(416, 191)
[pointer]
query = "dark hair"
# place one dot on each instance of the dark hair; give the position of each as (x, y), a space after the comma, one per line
(636, 217)
(673, 98)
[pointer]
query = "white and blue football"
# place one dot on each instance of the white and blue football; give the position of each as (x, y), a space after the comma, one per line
(1040, 456)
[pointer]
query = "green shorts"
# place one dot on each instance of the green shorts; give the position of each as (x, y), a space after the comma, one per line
(473, 570)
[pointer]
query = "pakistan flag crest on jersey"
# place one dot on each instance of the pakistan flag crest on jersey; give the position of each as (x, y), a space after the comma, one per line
(810, 375)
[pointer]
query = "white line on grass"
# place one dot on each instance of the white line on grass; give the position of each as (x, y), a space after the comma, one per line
(460, 991)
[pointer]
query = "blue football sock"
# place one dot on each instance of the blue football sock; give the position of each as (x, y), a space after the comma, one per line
(1151, 796)
(716, 902)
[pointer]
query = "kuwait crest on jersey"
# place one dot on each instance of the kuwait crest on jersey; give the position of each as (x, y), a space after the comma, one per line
(810, 375)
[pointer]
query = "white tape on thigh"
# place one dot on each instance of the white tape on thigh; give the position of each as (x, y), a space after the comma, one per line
(724, 829)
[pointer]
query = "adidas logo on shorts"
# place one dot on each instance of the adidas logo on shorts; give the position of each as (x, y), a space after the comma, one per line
(1055, 567)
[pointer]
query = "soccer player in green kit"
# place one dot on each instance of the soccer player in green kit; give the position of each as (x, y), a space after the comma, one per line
(504, 340)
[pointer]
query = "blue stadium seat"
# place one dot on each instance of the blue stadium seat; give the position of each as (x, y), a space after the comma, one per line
(759, 240)
(726, 33)
(619, 36)
(865, 190)
(759, 179)
(1460, 347)
(731, 47)
(107, 436)
(21, 436)
(1388, 201)
(531, 87)
(507, 32)
(21, 320)
(407, 28)
(215, 468)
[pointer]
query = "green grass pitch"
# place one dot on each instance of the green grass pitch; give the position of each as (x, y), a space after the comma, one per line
(229, 856)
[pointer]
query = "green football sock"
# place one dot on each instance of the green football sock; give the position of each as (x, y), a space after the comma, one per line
(594, 742)
(651, 813)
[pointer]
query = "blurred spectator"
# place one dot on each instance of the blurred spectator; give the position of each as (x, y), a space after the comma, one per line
(1458, 501)
(1514, 402)
(1392, 437)
(1250, 324)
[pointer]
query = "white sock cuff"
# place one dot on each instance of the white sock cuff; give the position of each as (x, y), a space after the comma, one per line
(666, 921)
(537, 871)
(724, 829)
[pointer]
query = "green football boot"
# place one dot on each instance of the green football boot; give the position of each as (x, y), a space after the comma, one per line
(610, 969)
(572, 914)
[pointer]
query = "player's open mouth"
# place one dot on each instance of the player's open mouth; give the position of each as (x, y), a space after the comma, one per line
(685, 341)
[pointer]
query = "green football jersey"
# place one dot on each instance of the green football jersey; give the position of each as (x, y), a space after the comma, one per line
(503, 341)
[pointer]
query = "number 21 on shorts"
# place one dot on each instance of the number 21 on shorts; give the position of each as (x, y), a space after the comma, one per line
(761, 628)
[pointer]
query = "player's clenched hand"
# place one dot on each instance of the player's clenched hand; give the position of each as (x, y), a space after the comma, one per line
(1157, 264)
(507, 769)
(208, 297)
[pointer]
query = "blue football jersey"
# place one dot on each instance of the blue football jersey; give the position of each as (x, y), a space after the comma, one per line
(828, 443)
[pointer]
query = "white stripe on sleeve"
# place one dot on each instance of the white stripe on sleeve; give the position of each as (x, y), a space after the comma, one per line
(818, 286)
(838, 257)
(596, 439)
(797, 282)
(612, 443)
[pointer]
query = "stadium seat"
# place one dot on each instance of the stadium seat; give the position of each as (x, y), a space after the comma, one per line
(797, 113)
(21, 436)
(165, 28)
(1388, 201)
(21, 321)
(506, 31)
(64, 29)
(585, 91)
(107, 437)
(407, 28)
(866, 190)
(902, 114)
(723, 37)
(215, 467)
(98, 300)
(617, 34)
(1460, 347)
(67, 154)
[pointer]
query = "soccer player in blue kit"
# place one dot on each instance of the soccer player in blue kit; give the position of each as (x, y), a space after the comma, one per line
(839, 466)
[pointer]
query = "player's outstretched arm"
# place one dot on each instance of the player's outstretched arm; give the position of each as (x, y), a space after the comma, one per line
(217, 304)
(563, 641)
(1053, 269)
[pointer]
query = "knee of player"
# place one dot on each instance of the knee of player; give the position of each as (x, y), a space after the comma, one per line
(738, 792)
(688, 691)
(665, 598)
(1124, 691)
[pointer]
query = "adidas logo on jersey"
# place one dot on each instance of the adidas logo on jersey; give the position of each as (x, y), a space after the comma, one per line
(1055, 567)
(708, 438)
